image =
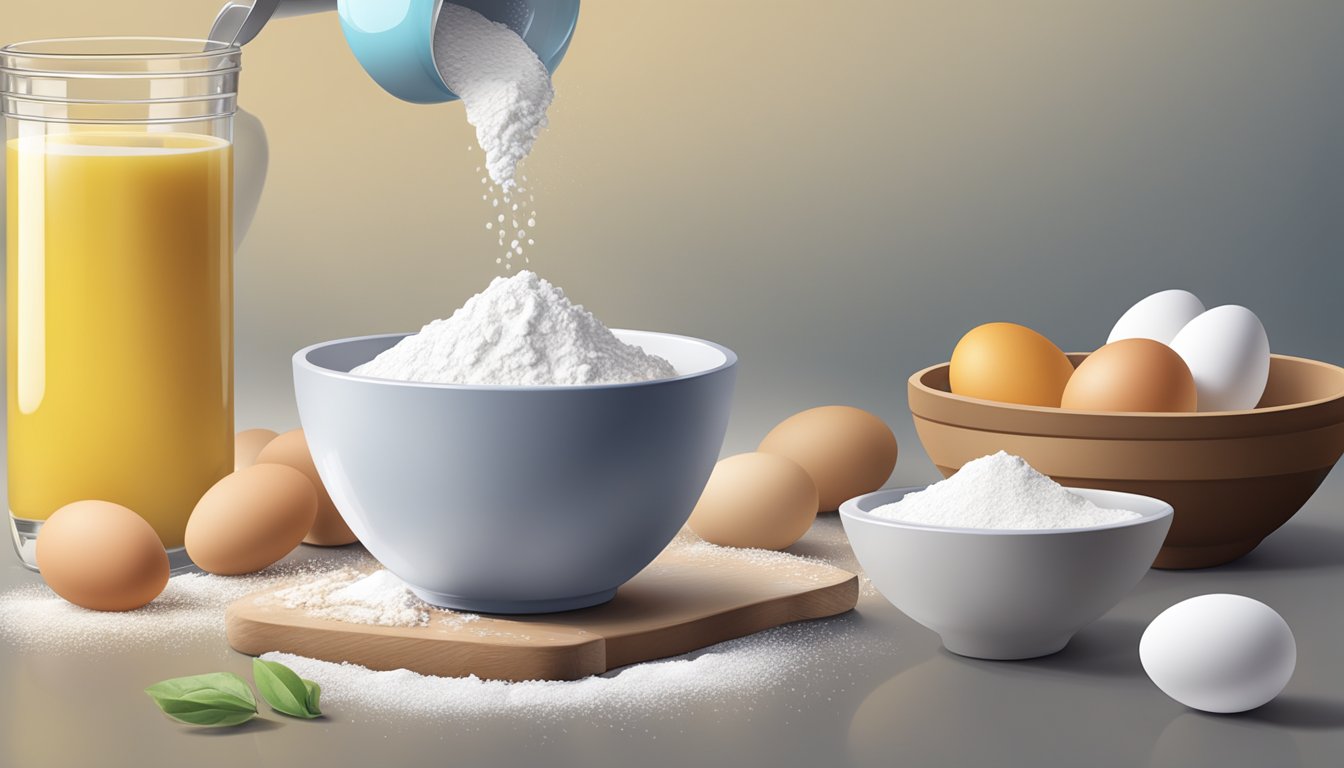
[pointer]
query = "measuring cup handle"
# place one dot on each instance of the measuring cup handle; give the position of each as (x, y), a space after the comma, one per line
(238, 23)
(289, 8)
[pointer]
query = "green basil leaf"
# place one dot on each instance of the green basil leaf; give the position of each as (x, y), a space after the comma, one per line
(217, 699)
(314, 693)
(284, 690)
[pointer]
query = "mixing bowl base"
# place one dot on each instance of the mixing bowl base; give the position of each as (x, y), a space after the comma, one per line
(1186, 558)
(995, 648)
(513, 607)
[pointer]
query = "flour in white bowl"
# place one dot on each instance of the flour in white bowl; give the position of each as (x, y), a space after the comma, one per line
(505, 87)
(1001, 491)
(519, 331)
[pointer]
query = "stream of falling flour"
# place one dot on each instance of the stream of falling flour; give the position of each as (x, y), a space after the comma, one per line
(512, 218)
(505, 90)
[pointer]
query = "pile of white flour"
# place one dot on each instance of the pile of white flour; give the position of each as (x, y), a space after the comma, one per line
(1000, 491)
(505, 87)
(520, 331)
(351, 596)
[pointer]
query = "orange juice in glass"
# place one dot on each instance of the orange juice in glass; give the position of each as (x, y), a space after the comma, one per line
(119, 240)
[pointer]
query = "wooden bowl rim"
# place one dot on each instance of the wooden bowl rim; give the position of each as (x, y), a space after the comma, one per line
(1033, 419)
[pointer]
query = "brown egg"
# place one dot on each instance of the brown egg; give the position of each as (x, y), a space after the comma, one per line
(847, 451)
(247, 444)
(1009, 363)
(101, 556)
(1132, 375)
(755, 500)
(291, 449)
(250, 519)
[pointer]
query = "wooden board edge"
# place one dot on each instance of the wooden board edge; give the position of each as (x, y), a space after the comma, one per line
(823, 602)
(250, 630)
(254, 635)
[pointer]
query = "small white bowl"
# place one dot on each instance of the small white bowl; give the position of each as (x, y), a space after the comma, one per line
(1006, 594)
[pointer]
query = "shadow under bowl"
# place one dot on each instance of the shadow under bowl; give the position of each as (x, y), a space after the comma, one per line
(1233, 477)
(1005, 594)
(519, 499)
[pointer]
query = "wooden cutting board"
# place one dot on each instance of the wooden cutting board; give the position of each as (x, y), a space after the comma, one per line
(690, 597)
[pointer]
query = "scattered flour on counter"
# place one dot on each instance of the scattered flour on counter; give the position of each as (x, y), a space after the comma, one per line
(764, 663)
(814, 658)
(351, 596)
(504, 86)
(519, 331)
(189, 612)
(1001, 491)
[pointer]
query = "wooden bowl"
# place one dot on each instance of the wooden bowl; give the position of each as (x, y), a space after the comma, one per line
(1233, 477)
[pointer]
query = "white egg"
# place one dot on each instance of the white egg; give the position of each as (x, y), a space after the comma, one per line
(1227, 351)
(1159, 317)
(1219, 653)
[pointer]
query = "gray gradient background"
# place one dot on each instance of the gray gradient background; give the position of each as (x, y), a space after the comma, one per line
(835, 195)
(837, 191)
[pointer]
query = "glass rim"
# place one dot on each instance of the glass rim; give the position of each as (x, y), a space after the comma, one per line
(190, 48)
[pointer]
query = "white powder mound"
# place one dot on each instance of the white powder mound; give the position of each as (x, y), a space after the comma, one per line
(1001, 492)
(520, 331)
(348, 595)
(505, 87)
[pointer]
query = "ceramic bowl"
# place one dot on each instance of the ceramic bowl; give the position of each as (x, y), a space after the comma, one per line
(1233, 477)
(1005, 594)
(515, 499)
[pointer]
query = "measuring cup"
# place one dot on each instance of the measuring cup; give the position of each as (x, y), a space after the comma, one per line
(394, 39)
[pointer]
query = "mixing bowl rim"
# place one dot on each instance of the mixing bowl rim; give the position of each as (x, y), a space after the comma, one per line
(850, 510)
(301, 360)
(916, 381)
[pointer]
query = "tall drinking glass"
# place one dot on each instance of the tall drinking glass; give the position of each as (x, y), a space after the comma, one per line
(119, 277)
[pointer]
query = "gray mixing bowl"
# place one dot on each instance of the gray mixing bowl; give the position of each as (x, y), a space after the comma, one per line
(515, 499)
(1006, 594)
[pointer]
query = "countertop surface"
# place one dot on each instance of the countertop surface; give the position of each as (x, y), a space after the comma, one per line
(886, 694)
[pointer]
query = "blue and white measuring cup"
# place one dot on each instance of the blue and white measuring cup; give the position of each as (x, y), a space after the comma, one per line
(394, 39)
